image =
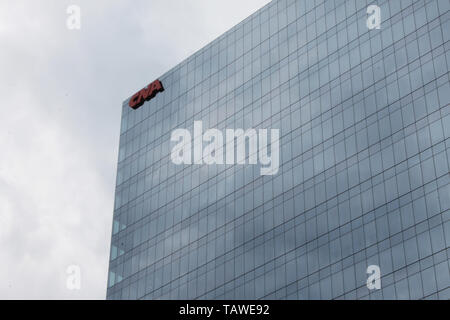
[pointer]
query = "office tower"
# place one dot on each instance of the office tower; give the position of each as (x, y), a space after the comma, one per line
(363, 178)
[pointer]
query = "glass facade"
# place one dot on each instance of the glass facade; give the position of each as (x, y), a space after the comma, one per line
(364, 120)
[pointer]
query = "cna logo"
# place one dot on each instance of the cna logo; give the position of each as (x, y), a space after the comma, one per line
(233, 151)
(145, 94)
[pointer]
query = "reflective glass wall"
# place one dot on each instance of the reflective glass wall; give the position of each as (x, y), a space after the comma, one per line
(364, 120)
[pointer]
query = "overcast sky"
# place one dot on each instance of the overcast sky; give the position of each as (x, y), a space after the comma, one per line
(61, 93)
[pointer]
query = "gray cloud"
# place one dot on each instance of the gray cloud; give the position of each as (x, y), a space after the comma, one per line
(61, 94)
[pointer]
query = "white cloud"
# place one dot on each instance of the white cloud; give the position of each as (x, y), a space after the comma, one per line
(61, 94)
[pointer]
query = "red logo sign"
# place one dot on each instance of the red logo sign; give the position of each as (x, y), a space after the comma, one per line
(146, 94)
